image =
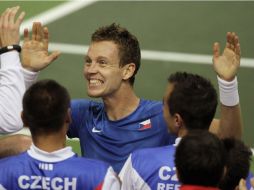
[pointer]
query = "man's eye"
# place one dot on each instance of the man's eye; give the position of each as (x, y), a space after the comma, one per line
(102, 62)
(88, 61)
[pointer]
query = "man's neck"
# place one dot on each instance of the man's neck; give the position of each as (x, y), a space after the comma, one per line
(50, 143)
(121, 104)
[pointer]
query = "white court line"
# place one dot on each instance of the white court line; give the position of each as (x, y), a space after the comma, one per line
(151, 55)
(55, 13)
(72, 6)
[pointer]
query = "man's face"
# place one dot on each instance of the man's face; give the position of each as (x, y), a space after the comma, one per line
(102, 70)
(167, 116)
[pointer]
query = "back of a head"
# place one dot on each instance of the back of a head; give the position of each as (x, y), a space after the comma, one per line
(129, 50)
(45, 105)
(194, 98)
(238, 160)
(199, 159)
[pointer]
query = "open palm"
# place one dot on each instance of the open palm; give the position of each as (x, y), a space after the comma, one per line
(35, 56)
(227, 64)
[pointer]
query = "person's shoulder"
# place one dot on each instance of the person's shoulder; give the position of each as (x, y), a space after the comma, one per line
(91, 164)
(151, 152)
(151, 106)
(147, 161)
(151, 102)
(85, 104)
(13, 161)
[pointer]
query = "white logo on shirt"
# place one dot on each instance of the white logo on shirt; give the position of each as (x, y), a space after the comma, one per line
(96, 130)
(46, 166)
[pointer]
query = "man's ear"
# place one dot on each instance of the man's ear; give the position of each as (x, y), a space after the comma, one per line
(68, 116)
(128, 71)
(178, 121)
(23, 119)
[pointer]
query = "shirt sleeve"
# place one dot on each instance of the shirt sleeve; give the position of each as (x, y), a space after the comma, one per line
(111, 181)
(12, 89)
(30, 77)
(14, 80)
(130, 178)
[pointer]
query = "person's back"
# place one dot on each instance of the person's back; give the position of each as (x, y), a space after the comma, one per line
(48, 164)
(36, 169)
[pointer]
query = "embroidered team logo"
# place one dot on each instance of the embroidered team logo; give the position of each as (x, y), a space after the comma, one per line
(145, 125)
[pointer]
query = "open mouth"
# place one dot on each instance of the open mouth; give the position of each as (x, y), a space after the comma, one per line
(95, 82)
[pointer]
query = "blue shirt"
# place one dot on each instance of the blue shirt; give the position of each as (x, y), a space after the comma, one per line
(113, 141)
(36, 169)
(150, 168)
(248, 184)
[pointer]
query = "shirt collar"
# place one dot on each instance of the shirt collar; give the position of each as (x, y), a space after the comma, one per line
(55, 156)
(177, 141)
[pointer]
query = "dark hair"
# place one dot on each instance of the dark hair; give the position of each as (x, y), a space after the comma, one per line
(238, 158)
(200, 159)
(129, 51)
(194, 98)
(45, 105)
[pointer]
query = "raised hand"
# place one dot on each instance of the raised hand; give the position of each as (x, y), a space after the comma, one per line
(9, 28)
(227, 64)
(34, 55)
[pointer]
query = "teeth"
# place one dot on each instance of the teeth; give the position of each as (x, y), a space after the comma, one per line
(95, 82)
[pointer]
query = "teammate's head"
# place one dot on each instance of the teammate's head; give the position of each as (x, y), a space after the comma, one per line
(45, 107)
(200, 159)
(127, 43)
(190, 101)
(238, 159)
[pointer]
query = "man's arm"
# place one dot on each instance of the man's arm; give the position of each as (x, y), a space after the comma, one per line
(14, 144)
(226, 66)
(11, 78)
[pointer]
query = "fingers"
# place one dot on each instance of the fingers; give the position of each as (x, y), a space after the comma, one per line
(233, 41)
(20, 19)
(45, 37)
(237, 46)
(5, 17)
(9, 29)
(37, 32)
(53, 56)
(34, 30)
(238, 51)
(39, 35)
(228, 43)
(216, 50)
(26, 35)
(12, 15)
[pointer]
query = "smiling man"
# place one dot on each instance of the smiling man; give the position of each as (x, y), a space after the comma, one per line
(123, 122)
